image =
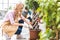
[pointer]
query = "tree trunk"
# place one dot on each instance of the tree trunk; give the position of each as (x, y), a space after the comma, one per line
(56, 34)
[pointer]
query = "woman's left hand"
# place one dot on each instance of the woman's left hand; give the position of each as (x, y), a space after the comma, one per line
(30, 26)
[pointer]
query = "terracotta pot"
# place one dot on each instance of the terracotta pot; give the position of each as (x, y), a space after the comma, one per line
(34, 34)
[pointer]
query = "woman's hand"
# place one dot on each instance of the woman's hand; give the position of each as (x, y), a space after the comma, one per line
(27, 26)
(30, 26)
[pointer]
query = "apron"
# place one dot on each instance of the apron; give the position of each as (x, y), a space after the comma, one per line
(8, 28)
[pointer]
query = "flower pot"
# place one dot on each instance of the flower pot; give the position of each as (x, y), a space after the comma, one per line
(34, 34)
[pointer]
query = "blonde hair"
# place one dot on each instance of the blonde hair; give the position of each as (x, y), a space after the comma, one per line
(18, 5)
(16, 8)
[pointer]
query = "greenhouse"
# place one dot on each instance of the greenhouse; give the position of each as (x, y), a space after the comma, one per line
(29, 19)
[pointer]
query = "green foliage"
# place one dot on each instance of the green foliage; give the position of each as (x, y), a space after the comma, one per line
(32, 4)
(50, 10)
(51, 13)
(29, 3)
(46, 35)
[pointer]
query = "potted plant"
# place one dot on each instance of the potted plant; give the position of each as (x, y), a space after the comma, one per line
(50, 10)
(32, 4)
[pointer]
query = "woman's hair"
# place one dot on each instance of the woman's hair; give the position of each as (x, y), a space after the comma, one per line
(16, 8)
(18, 5)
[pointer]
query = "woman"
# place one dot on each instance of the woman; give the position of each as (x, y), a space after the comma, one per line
(10, 24)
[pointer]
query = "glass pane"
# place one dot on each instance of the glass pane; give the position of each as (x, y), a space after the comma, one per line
(5, 1)
(11, 5)
(14, 1)
(0, 6)
(23, 1)
(0, 1)
(5, 6)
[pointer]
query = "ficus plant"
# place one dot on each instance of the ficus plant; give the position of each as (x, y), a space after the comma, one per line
(50, 10)
(51, 14)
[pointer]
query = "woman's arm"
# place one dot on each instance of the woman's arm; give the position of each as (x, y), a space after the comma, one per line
(30, 26)
(17, 24)
(25, 20)
(11, 18)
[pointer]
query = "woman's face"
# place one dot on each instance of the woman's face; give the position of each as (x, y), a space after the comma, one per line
(20, 7)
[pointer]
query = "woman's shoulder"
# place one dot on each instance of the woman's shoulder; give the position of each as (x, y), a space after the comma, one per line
(10, 12)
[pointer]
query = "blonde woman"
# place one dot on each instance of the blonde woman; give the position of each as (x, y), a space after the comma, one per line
(10, 24)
